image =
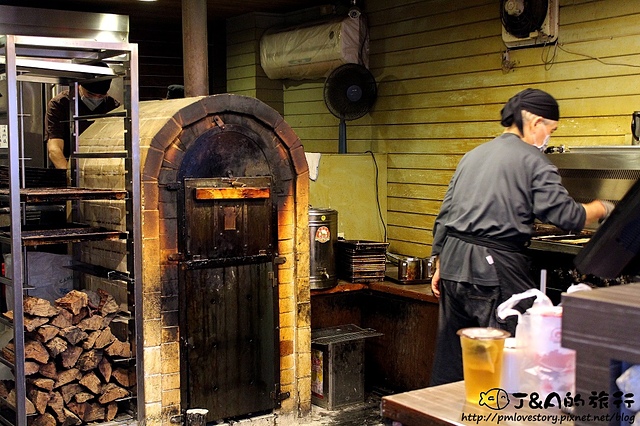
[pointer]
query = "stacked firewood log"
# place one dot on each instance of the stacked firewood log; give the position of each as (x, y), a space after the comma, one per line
(72, 368)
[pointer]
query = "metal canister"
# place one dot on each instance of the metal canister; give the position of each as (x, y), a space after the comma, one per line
(323, 233)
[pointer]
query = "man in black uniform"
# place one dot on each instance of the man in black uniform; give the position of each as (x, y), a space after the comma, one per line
(93, 100)
(486, 219)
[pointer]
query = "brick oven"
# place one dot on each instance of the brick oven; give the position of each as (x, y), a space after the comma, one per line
(225, 246)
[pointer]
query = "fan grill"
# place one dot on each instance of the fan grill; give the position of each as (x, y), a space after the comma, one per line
(528, 18)
(350, 91)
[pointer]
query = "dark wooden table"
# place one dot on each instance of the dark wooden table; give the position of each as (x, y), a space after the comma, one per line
(407, 315)
(446, 405)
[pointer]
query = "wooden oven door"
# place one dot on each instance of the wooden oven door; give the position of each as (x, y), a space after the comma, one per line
(229, 312)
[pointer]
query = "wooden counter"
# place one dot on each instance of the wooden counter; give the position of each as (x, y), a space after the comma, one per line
(407, 315)
(446, 405)
(412, 291)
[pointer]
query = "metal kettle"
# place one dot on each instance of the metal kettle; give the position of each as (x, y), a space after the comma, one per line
(409, 268)
(428, 267)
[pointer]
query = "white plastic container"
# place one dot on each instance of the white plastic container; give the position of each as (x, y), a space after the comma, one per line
(510, 381)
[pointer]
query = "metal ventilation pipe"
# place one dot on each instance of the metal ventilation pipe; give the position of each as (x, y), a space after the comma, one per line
(195, 48)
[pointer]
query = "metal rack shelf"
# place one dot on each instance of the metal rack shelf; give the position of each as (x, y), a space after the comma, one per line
(4, 420)
(58, 60)
(59, 195)
(70, 234)
(70, 62)
(99, 271)
(6, 362)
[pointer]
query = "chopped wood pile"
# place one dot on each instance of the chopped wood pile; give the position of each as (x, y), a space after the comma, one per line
(72, 371)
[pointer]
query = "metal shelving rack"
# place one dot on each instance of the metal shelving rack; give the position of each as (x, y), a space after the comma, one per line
(68, 61)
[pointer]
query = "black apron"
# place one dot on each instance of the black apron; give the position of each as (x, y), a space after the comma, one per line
(513, 267)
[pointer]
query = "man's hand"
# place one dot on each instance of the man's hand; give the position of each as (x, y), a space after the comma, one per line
(435, 281)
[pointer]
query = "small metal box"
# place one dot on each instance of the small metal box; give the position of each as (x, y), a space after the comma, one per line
(337, 365)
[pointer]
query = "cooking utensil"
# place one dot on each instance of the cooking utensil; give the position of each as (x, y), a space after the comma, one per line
(408, 270)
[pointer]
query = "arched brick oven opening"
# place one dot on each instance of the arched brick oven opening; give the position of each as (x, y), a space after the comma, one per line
(169, 129)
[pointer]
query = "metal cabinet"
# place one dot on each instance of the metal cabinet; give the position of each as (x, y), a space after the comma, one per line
(68, 62)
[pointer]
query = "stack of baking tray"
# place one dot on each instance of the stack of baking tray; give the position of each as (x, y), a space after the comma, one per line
(36, 177)
(360, 261)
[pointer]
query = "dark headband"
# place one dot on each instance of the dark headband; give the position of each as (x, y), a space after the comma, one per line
(533, 100)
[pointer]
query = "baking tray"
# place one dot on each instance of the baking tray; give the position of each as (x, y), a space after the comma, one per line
(361, 245)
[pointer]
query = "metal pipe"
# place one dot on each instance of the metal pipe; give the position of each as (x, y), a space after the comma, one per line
(16, 228)
(195, 48)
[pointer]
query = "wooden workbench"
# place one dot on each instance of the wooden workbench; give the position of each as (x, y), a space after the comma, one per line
(446, 405)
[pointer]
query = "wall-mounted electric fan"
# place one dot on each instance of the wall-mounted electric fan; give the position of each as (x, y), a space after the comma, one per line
(349, 93)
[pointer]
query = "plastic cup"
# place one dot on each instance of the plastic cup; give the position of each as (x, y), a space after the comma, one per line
(482, 351)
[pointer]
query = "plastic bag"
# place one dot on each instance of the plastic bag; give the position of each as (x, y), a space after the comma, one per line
(629, 382)
(545, 366)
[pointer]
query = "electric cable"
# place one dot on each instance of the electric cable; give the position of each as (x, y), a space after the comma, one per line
(384, 226)
(595, 58)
